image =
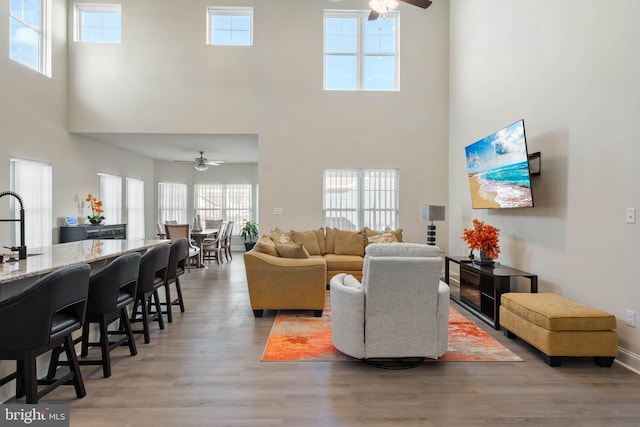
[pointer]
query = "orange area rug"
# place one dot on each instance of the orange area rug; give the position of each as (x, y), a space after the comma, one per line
(298, 336)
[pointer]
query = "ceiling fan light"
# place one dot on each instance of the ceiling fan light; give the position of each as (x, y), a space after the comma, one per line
(383, 6)
(201, 167)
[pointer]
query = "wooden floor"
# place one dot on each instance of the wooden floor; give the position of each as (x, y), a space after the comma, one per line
(204, 369)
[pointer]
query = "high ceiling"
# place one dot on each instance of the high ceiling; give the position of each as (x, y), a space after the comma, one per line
(232, 148)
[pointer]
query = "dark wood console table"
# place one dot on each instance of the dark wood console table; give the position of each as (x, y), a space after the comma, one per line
(481, 286)
(92, 232)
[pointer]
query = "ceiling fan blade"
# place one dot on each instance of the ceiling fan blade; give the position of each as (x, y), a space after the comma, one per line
(373, 16)
(420, 3)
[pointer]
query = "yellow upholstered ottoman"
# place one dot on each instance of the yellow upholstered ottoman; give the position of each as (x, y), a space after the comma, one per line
(560, 327)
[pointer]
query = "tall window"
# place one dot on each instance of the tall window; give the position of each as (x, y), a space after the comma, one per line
(111, 196)
(32, 181)
(355, 198)
(231, 26)
(98, 23)
(361, 54)
(135, 208)
(172, 202)
(226, 202)
(27, 34)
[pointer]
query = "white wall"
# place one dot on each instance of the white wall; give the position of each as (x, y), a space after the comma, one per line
(33, 125)
(163, 78)
(570, 69)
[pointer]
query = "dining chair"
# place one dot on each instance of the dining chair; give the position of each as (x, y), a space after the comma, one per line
(212, 247)
(179, 231)
(225, 243)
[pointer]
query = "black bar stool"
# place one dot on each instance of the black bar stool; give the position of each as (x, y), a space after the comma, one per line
(42, 318)
(176, 268)
(152, 275)
(111, 290)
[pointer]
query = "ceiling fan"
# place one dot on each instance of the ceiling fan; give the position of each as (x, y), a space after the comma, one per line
(202, 163)
(380, 7)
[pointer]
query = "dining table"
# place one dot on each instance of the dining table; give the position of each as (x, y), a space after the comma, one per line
(198, 237)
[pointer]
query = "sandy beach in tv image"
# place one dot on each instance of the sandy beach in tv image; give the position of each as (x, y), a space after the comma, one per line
(498, 170)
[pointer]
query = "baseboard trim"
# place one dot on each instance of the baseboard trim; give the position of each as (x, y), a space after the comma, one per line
(629, 360)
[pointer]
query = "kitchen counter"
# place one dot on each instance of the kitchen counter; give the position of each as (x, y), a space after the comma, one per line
(14, 275)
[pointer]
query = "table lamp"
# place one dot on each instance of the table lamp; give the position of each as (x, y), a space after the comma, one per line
(431, 213)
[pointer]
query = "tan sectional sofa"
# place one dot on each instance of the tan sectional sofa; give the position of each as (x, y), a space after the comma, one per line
(291, 270)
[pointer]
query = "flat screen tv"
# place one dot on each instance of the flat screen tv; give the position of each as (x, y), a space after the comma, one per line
(498, 169)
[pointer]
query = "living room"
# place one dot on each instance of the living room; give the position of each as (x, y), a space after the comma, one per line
(468, 68)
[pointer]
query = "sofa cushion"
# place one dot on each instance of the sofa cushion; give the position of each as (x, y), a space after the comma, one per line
(279, 236)
(330, 241)
(292, 250)
(349, 243)
(266, 246)
(308, 239)
(343, 262)
(321, 242)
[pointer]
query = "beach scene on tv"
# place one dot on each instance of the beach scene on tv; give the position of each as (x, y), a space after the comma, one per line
(498, 170)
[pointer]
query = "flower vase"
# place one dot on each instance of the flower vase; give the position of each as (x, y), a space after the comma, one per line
(484, 259)
(95, 222)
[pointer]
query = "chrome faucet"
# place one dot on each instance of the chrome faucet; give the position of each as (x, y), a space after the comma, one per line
(22, 249)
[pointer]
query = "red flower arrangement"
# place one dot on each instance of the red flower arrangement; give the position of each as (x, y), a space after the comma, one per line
(483, 237)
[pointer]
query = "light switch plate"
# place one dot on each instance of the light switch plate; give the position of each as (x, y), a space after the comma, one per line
(631, 215)
(278, 211)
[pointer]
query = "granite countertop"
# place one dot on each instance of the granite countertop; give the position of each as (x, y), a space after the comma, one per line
(49, 258)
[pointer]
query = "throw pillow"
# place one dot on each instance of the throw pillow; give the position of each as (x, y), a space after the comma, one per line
(295, 250)
(266, 246)
(397, 232)
(369, 232)
(308, 239)
(349, 243)
(383, 238)
(279, 236)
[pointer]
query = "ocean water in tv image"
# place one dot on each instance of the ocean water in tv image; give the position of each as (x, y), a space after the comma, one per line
(516, 174)
(508, 186)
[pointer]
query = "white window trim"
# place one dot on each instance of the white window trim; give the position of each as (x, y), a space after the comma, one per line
(229, 11)
(360, 53)
(44, 41)
(93, 7)
(224, 208)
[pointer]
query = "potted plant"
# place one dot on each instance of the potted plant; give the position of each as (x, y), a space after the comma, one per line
(96, 216)
(485, 238)
(249, 231)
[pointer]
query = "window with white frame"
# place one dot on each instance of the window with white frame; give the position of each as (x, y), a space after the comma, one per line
(28, 43)
(111, 196)
(32, 181)
(172, 202)
(135, 208)
(355, 198)
(98, 23)
(361, 54)
(229, 202)
(230, 26)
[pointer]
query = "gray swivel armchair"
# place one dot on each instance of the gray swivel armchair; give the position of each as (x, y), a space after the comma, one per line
(399, 312)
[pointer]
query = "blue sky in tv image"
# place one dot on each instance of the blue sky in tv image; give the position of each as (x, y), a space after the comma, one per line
(499, 166)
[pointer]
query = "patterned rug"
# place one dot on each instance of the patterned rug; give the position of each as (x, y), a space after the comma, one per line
(298, 336)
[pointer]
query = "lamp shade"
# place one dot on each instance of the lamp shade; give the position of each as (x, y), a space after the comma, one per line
(432, 213)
